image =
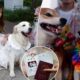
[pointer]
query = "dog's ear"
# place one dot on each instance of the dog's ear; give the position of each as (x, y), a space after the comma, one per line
(15, 29)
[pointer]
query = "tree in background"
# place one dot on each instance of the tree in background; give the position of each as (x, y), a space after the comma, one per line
(1, 2)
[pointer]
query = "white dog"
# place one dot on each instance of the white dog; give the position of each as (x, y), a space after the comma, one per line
(15, 46)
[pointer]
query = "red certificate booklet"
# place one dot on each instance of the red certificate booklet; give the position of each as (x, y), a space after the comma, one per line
(41, 74)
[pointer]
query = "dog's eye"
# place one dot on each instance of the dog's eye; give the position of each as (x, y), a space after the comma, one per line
(48, 14)
(24, 25)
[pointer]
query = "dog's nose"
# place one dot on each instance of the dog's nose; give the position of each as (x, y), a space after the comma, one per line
(30, 29)
(63, 21)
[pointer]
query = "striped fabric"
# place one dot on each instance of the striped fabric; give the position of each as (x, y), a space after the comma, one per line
(76, 59)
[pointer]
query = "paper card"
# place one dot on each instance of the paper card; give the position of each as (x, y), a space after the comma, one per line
(46, 57)
(31, 64)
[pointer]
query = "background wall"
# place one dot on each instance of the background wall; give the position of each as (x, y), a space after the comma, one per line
(12, 4)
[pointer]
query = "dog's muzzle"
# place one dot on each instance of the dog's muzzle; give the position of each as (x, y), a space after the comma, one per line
(54, 28)
(26, 34)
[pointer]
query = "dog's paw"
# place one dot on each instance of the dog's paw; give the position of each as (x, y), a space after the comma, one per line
(12, 74)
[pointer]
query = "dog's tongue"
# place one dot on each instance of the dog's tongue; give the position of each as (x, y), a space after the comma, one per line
(26, 34)
(51, 29)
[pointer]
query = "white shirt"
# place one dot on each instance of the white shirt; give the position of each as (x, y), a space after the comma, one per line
(66, 14)
(69, 16)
